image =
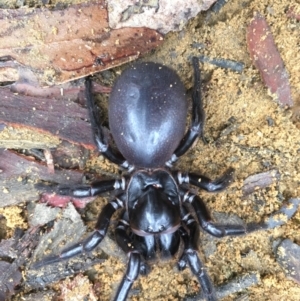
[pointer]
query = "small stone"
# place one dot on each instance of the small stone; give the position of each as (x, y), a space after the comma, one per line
(288, 257)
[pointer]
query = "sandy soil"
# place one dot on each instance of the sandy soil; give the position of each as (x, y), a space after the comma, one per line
(263, 136)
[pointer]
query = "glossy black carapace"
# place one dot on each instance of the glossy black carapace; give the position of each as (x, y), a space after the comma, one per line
(147, 117)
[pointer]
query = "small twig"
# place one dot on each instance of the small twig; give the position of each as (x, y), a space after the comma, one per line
(223, 63)
(260, 181)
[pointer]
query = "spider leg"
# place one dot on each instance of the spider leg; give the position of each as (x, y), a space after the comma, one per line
(191, 257)
(91, 242)
(135, 265)
(206, 183)
(99, 135)
(96, 188)
(198, 117)
(218, 230)
(131, 274)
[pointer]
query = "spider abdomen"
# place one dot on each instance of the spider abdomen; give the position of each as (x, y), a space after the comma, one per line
(147, 114)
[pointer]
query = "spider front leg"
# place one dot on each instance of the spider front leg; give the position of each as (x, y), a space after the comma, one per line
(92, 241)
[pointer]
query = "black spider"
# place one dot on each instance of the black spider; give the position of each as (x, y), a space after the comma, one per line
(147, 117)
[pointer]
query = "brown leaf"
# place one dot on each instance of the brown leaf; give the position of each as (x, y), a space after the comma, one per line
(267, 59)
(62, 45)
(260, 181)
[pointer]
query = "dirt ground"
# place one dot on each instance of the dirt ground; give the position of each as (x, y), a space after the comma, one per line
(259, 136)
